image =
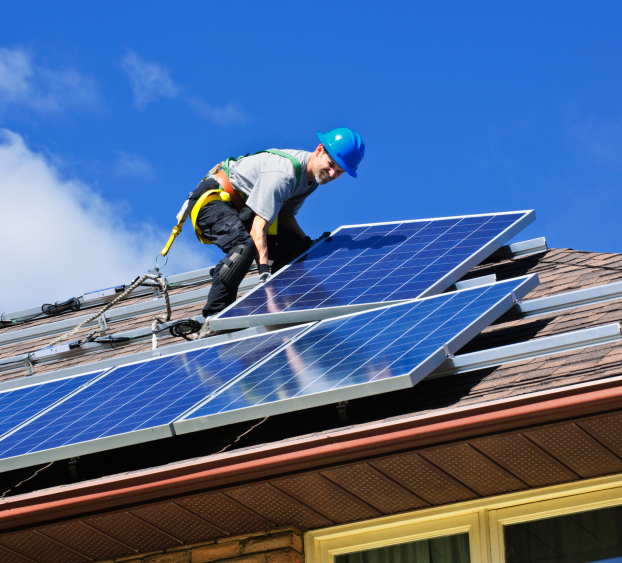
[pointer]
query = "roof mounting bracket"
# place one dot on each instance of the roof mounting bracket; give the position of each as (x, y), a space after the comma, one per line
(517, 249)
(73, 469)
(570, 300)
(103, 325)
(30, 368)
(341, 411)
(475, 282)
(547, 345)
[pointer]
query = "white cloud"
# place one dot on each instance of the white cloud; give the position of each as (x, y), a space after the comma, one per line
(230, 114)
(150, 80)
(62, 239)
(133, 165)
(24, 83)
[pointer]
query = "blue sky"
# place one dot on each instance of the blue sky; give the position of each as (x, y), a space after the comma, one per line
(111, 112)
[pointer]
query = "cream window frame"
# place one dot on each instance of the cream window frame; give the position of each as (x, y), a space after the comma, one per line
(483, 519)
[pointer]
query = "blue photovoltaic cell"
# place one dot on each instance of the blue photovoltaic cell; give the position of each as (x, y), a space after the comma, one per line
(375, 264)
(361, 348)
(18, 405)
(141, 395)
(370, 264)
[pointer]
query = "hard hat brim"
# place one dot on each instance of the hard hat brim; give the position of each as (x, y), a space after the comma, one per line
(324, 140)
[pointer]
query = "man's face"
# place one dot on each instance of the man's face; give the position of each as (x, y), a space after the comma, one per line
(325, 168)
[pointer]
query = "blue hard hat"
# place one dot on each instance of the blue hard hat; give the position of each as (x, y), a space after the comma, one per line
(345, 147)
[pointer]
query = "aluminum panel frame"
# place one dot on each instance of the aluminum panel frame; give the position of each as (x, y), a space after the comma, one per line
(218, 323)
(404, 381)
(118, 440)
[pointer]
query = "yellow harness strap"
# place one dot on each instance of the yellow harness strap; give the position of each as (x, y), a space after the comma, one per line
(210, 195)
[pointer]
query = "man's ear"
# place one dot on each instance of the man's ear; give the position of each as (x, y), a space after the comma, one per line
(319, 149)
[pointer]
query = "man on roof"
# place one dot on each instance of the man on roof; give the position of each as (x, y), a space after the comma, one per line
(242, 201)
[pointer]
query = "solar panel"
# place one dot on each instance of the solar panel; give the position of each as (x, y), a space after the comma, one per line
(18, 405)
(366, 264)
(359, 355)
(136, 402)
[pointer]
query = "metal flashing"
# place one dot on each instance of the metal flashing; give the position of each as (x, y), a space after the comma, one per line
(536, 348)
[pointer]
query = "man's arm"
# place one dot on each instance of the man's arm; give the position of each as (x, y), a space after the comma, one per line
(289, 222)
(259, 234)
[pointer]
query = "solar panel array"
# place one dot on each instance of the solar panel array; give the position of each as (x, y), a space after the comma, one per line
(141, 395)
(18, 405)
(403, 343)
(377, 263)
(359, 354)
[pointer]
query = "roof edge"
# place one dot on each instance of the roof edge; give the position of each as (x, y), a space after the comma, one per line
(342, 446)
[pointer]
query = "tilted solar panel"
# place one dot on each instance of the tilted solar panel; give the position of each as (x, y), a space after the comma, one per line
(134, 403)
(359, 355)
(18, 405)
(372, 264)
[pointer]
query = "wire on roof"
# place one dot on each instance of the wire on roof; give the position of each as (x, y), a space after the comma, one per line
(58, 308)
(242, 435)
(184, 327)
(24, 481)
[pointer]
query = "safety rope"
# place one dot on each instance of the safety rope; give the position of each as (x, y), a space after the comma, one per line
(129, 290)
(158, 319)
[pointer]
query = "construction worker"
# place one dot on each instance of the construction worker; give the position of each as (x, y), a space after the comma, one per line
(242, 200)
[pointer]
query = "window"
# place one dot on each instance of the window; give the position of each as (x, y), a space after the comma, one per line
(578, 522)
(576, 538)
(448, 549)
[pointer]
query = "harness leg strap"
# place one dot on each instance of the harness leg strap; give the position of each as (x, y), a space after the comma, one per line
(236, 264)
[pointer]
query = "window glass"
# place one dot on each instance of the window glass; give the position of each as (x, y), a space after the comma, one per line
(447, 549)
(575, 538)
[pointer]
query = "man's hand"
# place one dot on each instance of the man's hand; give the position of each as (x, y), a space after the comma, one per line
(264, 273)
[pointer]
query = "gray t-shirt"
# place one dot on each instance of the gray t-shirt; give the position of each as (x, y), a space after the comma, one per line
(269, 181)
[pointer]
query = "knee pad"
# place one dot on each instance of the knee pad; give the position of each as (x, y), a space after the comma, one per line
(236, 265)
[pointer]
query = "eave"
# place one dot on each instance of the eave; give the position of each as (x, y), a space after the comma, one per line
(312, 453)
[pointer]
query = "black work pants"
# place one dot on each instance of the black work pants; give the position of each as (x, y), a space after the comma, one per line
(219, 222)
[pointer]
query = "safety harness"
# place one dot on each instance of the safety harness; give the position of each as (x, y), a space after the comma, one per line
(226, 193)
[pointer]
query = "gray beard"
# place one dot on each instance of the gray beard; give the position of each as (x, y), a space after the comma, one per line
(321, 177)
